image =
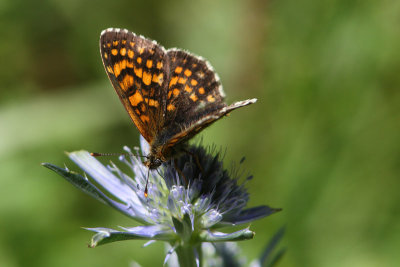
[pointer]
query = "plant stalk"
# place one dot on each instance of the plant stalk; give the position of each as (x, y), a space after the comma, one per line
(187, 256)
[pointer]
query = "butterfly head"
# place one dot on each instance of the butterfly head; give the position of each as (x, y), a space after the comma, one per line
(152, 162)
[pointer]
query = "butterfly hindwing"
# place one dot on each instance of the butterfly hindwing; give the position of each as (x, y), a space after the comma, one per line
(136, 67)
(194, 90)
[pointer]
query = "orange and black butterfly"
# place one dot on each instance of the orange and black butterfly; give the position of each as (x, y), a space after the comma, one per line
(170, 95)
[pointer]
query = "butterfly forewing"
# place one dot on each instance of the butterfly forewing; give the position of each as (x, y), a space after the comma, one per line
(136, 67)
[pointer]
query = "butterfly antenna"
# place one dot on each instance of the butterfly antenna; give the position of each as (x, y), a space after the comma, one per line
(147, 182)
(96, 154)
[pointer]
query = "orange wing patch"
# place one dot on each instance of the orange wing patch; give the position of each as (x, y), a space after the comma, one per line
(188, 72)
(136, 99)
(158, 78)
(182, 80)
(122, 51)
(171, 107)
(188, 89)
(210, 98)
(193, 97)
(127, 82)
(146, 78)
(130, 54)
(144, 118)
(152, 102)
(175, 92)
(109, 69)
(178, 70)
(173, 81)
(193, 82)
(138, 72)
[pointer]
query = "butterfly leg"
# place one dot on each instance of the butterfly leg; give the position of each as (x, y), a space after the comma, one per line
(180, 171)
(196, 158)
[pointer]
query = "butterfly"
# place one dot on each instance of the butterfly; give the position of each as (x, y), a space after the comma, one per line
(170, 95)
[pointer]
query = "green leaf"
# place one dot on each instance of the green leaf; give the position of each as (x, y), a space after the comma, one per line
(78, 181)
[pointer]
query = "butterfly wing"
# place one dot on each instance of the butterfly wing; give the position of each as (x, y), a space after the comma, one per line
(170, 95)
(195, 98)
(193, 91)
(136, 67)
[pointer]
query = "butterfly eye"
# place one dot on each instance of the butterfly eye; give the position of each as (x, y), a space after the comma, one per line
(158, 162)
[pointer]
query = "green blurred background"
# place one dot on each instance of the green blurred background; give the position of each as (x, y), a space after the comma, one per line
(322, 142)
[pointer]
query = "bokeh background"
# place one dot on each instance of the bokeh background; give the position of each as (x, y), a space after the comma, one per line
(322, 142)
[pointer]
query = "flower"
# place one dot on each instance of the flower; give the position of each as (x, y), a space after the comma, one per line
(189, 198)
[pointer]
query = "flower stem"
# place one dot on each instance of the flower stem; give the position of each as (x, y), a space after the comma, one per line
(186, 256)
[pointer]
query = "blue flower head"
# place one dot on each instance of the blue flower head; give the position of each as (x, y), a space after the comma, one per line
(189, 198)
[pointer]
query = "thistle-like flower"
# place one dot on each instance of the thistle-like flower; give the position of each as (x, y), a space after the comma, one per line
(189, 198)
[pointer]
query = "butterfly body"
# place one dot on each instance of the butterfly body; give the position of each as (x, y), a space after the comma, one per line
(170, 95)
